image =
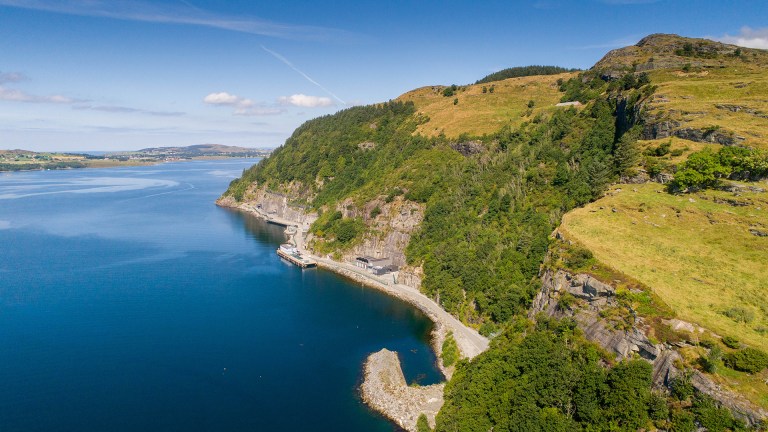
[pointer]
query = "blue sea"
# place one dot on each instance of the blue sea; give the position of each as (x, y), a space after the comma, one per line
(130, 302)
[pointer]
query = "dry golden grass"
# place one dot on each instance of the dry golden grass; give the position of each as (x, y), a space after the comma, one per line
(692, 99)
(480, 113)
(695, 251)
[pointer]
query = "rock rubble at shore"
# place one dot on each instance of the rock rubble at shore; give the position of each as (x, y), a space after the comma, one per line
(385, 390)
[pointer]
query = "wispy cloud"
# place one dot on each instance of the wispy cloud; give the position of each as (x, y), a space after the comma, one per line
(258, 111)
(243, 106)
(302, 100)
(128, 110)
(297, 70)
(14, 95)
(9, 77)
(182, 13)
(748, 37)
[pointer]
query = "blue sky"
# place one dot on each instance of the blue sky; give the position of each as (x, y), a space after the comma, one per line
(120, 75)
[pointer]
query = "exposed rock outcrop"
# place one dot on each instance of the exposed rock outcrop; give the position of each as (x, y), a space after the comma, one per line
(385, 390)
(274, 204)
(658, 129)
(598, 296)
(741, 108)
(708, 135)
(468, 148)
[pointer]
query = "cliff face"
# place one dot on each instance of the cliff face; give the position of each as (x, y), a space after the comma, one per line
(391, 229)
(595, 297)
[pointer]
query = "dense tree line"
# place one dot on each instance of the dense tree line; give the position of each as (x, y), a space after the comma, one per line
(522, 71)
(549, 378)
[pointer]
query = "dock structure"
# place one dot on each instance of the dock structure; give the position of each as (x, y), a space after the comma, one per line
(297, 259)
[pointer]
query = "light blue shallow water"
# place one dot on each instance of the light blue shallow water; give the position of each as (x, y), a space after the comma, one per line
(129, 301)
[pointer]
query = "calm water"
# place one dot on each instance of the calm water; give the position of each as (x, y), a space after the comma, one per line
(128, 301)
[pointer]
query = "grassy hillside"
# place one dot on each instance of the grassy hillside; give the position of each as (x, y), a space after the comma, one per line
(497, 169)
(478, 112)
(699, 252)
(731, 99)
(701, 85)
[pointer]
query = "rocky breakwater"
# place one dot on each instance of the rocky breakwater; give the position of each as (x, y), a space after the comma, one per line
(385, 390)
(593, 298)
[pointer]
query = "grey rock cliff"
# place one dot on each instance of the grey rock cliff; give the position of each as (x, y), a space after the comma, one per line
(597, 296)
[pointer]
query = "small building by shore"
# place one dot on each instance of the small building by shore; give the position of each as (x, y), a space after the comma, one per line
(377, 266)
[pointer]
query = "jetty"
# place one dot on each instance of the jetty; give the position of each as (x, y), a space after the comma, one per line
(289, 253)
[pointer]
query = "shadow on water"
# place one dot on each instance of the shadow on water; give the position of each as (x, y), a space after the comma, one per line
(256, 228)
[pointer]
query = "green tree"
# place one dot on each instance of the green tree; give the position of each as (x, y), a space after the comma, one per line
(422, 424)
(450, 351)
(628, 393)
(627, 155)
(702, 169)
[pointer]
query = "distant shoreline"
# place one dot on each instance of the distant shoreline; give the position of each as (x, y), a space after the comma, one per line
(26, 160)
(112, 163)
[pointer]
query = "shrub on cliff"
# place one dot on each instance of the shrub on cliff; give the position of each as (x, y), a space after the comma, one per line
(750, 360)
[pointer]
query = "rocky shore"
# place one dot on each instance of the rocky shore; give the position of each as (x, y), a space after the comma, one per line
(384, 387)
(385, 390)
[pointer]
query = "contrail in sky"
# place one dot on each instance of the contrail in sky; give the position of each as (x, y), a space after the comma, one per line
(307, 77)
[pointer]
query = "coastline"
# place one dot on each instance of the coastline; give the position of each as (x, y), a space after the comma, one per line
(383, 387)
(468, 340)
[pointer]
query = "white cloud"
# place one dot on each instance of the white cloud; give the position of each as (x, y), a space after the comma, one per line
(242, 106)
(14, 95)
(748, 37)
(302, 100)
(224, 98)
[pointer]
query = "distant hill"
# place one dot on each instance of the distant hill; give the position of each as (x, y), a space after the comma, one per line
(205, 149)
(522, 71)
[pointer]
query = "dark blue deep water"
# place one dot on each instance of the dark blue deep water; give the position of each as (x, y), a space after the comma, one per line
(129, 301)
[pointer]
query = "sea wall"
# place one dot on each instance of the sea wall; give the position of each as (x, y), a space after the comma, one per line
(385, 390)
